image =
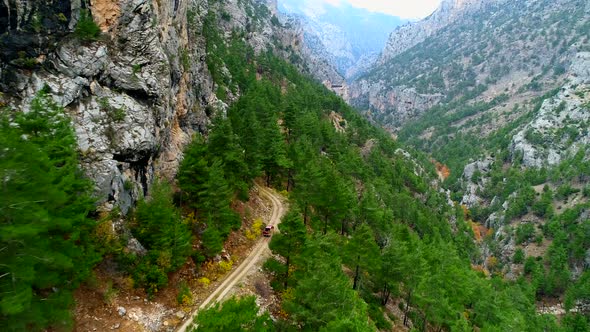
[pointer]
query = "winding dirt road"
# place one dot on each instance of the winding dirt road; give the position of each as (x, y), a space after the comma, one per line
(278, 209)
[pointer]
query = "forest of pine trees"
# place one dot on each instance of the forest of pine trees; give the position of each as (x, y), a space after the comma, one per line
(366, 230)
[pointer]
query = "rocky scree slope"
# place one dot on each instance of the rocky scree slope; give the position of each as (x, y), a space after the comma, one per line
(139, 91)
(470, 52)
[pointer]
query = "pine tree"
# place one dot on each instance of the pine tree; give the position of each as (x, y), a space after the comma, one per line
(160, 227)
(45, 250)
(193, 172)
(234, 315)
(289, 242)
(361, 254)
(323, 297)
(223, 144)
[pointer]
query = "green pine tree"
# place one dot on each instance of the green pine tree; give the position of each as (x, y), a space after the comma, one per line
(233, 315)
(45, 249)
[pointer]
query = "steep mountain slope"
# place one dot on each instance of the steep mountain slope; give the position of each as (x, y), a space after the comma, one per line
(349, 38)
(409, 35)
(498, 91)
(472, 52)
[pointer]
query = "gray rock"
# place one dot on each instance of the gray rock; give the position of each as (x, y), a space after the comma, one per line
(122, 311)
(542, 142)
(74, 59)
(471, 197)
(135, 247)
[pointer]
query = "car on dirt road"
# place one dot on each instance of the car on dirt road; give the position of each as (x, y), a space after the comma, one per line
(267, 232)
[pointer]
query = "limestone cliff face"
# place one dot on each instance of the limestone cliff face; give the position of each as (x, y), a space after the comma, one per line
(560, 128)
(133, 104)
(386, 104)
(137, 94)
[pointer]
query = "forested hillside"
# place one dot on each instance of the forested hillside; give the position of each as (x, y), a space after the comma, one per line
(366, 228)
(372, 239)
(499, 97)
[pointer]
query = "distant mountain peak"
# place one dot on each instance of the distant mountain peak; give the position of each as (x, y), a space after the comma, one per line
(346, 36)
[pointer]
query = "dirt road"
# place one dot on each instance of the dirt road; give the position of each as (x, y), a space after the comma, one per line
(278, 209)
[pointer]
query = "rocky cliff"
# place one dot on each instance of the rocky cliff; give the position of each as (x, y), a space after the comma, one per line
(139, 91)
(560, 129)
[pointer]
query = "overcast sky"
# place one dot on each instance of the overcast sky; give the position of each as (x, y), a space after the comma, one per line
(413, 9)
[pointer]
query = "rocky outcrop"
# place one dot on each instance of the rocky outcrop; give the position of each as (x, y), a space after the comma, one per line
(474, 181)
(311, 61)
(127, 92)
(474, 52)
(560, 128)
(392, 105)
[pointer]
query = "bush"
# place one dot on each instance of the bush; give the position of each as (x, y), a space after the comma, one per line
(530, 265)
(254, 232)
(518, 257)
(564, 191)
(376, 314)
(212, 242)
(150, 276)
(184, 297)
(86, 29)
(525, 233)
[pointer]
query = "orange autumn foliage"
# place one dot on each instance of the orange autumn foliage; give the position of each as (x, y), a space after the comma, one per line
(441, 169)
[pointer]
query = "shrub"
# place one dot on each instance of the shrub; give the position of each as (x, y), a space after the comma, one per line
(205, 282)
(86, 28)
(564, 191)
(150, 276)
(110, 293)
(376, 314)
(225, 266)
(184, 297)
(518, 257)
(256, 229)
(530, 265)
(524, 233)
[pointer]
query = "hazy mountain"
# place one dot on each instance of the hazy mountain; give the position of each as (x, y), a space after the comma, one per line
(350, 38)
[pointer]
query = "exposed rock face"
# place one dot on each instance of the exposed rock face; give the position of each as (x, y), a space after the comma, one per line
(312, 62)
(126, 92)
(560, 128)
(106, 13)
(473, 184)
(139, 92)
(392, 105)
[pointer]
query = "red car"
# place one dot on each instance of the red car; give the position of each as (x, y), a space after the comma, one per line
(267, 231)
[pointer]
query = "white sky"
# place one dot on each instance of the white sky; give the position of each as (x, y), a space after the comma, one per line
(412, 9)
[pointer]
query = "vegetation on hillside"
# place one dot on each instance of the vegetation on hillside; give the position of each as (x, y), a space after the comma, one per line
(368, 228)
(45, 245)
